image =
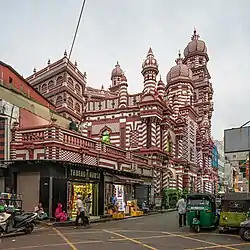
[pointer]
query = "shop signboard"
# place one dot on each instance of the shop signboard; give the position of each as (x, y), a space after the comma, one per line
(84, 173)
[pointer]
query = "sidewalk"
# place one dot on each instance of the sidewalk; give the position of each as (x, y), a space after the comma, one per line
(98, 219)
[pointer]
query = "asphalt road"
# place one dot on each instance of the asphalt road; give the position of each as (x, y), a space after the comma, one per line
(156, 232)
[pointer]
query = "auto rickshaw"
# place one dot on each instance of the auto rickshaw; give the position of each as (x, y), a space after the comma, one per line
(201, 211)
(234, 210)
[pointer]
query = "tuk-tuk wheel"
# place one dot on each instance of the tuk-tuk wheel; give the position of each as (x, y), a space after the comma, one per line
(245, 234)
(221, 230)
(197, 228)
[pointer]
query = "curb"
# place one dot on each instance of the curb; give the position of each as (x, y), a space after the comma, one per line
(71, 223)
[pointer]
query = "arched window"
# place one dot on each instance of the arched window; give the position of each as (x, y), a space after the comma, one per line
(51, 85)
(70, 83)
(106, 136)
(77, 108)
(44, 88)
(59, 80)
(78, 89)
(59, 101)
(70, 103)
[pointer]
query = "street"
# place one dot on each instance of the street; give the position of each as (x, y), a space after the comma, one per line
(158, 232)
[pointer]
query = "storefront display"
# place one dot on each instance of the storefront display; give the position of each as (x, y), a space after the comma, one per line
(119, 197)
(85, 183)
(73, 190)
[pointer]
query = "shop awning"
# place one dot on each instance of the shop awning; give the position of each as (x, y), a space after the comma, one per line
(128, 180)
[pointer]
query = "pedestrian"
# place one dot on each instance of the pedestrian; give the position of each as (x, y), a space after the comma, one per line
(88, 202)
(81, 212)
(181, 207)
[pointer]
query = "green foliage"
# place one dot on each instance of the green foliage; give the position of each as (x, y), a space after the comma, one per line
(170, 196)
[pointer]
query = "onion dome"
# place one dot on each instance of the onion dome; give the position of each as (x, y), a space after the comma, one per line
(195, 46)
(117, 71)
(150, 63)
(179, 72)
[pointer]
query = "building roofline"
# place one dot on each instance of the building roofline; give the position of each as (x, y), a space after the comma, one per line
(23, 79)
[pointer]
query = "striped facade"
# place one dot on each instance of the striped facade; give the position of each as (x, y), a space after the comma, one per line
(166, 122)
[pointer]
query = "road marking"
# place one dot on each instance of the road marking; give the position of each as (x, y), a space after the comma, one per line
(221, 246)
(53, 245)
(132, 240)
(73, 247)
(204, 241)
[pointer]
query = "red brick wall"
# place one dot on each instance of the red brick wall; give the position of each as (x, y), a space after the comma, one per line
(22, 86)
(28, 119)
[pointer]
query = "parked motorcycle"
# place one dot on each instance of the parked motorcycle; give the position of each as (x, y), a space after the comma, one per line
(17, 222)
(245, 230)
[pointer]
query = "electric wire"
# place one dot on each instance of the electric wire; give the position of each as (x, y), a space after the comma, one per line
(77, 27)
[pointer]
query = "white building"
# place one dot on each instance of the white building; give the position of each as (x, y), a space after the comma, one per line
(232, 171)
(221, 163)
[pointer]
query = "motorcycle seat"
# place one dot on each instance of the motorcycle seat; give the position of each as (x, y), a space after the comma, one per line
(20, 218)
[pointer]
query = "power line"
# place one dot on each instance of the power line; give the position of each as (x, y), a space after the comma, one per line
(77, 26)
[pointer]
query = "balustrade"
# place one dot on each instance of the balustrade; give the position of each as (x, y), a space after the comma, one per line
(33, 136)
(60, 135)
(115, 151)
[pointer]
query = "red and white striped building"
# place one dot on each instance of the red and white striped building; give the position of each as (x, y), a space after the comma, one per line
(169, 122)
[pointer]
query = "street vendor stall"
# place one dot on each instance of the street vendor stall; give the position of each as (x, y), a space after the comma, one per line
(10, 202)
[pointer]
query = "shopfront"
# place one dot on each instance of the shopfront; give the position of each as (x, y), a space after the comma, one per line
(119, 191)
(86, 183)
(143, 191)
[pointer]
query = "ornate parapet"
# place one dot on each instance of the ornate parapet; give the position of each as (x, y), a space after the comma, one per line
(52, 142)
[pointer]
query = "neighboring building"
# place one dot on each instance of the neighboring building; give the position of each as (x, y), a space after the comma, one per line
(215, 157)
(236, 179)
(221, 164)
(170, 122)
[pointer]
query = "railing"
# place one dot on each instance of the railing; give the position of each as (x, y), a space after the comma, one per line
(140, 159)
(54, 133)
(75, 139)
(33, 136)
(115, 151)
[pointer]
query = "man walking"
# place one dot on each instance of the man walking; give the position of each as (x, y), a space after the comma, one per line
(181, 207)
(80, 212)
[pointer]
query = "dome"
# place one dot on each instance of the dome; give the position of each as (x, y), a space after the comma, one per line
(195, 46)
(179, 72)
(123, 78)
(117, 71)
(150, 62)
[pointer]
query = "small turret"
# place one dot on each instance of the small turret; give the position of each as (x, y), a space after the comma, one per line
(123, 92)
(161, 88)
(150, 71)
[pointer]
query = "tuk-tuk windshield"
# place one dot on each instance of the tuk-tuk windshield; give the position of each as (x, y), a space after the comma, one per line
(198, 202)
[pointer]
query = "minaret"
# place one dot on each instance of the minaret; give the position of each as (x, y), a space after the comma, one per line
(123, 92)
(150, 71)
(161, 88)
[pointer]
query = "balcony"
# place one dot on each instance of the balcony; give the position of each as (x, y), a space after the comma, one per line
(53, 136)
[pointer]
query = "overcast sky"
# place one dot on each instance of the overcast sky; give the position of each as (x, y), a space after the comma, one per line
(34, 31)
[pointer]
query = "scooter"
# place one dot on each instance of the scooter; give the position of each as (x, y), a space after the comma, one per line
(15, 223)
(245, 230)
